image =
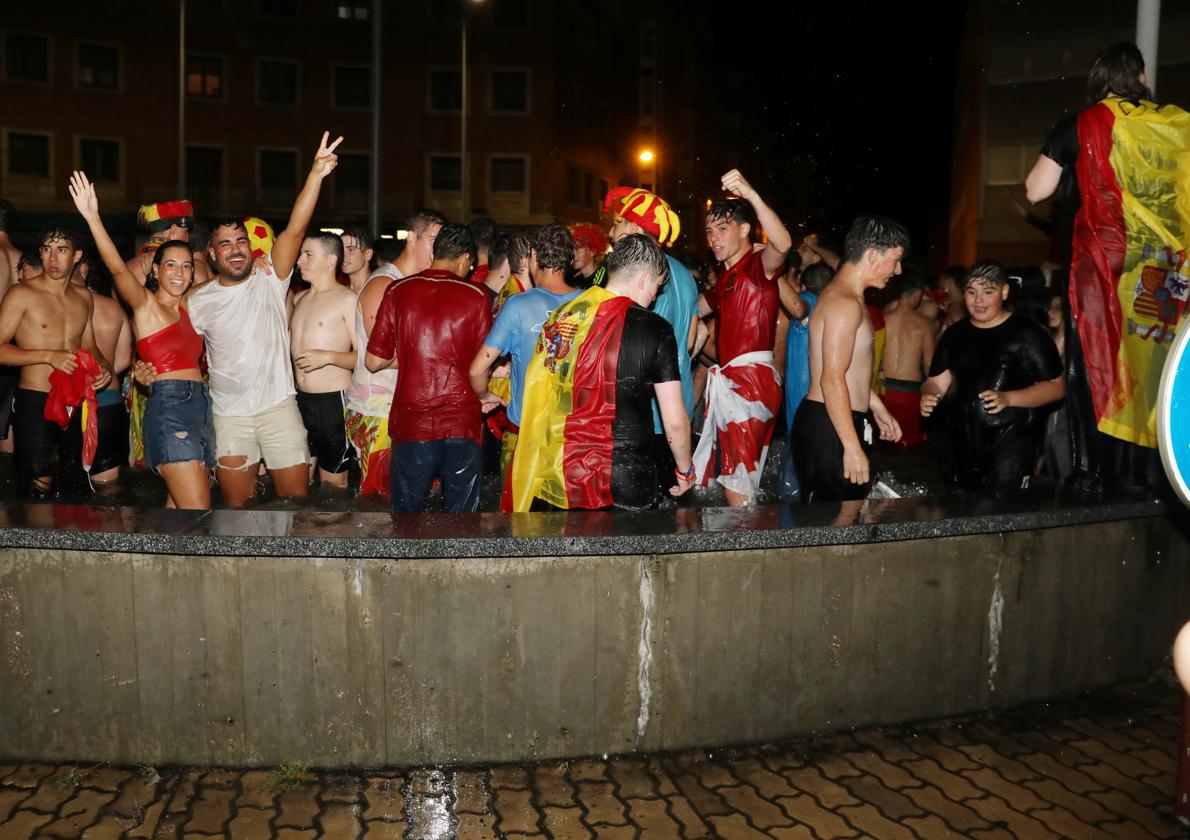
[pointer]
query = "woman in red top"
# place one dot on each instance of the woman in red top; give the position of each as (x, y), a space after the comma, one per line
(179, 436)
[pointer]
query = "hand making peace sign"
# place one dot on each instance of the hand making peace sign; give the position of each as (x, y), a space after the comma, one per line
(325, 159)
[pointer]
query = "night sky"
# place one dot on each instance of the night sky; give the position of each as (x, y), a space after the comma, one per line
(858, 97)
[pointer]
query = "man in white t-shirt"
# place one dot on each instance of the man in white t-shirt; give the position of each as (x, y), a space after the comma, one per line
(243, 319)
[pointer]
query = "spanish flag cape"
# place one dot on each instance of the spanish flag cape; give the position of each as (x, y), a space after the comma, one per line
(564, 453)
(1128, 273)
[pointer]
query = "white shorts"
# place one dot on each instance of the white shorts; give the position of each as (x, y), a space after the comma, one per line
(276, 434)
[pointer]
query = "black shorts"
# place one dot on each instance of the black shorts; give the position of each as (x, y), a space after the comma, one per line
(10, 377)
(322, 415)
(818, 454)
(112, 448)
(46, 450)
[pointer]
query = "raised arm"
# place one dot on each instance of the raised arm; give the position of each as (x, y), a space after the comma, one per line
(780, 241)
(289, 242)
(87, 202)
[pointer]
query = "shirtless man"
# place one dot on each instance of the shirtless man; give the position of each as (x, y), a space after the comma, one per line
(113, 335)
(43, 321)
(371, 394)
(831, 432)
(357, 257)
(908, 348)
(10, 258)
(320, 332)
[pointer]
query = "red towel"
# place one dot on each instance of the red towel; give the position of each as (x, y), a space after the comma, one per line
(70, 390)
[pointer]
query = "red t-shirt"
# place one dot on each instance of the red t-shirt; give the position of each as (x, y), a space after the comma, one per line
(745, 302)
(434, 323)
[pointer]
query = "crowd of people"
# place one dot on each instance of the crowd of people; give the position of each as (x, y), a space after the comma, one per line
(593, 368)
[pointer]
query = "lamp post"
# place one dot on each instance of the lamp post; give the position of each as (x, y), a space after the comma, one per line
(377, 78)
(463, 191)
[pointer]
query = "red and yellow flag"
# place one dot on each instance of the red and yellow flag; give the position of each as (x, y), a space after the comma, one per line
(1128, 275)
(564, 453)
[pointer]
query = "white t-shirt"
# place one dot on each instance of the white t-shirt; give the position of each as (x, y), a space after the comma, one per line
(246, 328)
(370, 393)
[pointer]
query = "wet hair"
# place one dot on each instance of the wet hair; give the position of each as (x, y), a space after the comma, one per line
(554, 246)
(227, 221)
(64, 233)
(99, 279)
(6, 214)
(422, 219)
(954, 272)
(362, 238)
(816, 276)
(331, 244)
(200, 235)
(1116, 70)
(452, 242)
(158, 255)
(30, 257)
(634, 253)
(483, 231)
(873, 232)
(498, 252)
(740, 212)
(988, 271)
(519, 247)
(386, 251)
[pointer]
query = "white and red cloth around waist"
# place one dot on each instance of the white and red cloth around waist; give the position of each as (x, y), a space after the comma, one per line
(742, 399)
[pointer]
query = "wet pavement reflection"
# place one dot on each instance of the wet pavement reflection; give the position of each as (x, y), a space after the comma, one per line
(1101, 765)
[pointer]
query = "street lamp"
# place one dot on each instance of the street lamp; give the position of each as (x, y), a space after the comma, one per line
(646, 156)
(463, 111)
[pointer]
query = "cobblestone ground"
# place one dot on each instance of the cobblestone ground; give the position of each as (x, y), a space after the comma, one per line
(1100, 766)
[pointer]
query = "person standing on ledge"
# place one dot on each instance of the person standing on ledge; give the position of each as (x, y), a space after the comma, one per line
(831, 432)
(586, 437)
(242, 316)
(743, 392)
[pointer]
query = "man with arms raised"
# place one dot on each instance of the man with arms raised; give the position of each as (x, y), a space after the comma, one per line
(518, 325)
(370, 396)
(43, 322)
(432, 325)
(744, 390)
(242, 316)
(321, 330)
(831, 433)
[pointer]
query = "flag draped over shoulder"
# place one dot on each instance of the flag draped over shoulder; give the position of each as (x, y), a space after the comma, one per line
(564, 453)
(1128, 274)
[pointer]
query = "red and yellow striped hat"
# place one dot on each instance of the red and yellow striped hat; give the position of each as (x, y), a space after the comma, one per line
(165, 214)
(644, 208)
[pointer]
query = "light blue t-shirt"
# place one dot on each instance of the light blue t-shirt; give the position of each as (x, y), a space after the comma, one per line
(515, 334)
(797, 361)
(677, 303)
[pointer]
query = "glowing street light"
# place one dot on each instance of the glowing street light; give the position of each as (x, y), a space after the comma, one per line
(646, 156)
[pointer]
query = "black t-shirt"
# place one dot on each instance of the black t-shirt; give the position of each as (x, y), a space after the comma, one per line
(648, 355)
(1012, 355)
(1061, 146)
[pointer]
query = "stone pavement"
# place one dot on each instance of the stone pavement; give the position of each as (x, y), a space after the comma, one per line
(1098, 766)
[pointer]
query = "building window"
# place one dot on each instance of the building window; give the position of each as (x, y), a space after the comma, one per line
(353, 87)
(446, 13)
(588, 189)
(510, 91)
(26, 57)
(278, 82)
(510, 14)
(99, 67)
(278, 170)
(353, 9)
(278, 8)
(29, 155)
(445, 173)
(204, 76)
(204, 177)
(573, 177)
(351, 183)
(603, 189)
(446, 91)
(100, 159)
(508, 174)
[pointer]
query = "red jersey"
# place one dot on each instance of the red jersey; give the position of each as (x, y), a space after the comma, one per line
(745, 301)
(434, 323)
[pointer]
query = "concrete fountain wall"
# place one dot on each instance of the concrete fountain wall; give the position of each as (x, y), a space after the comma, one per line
(251, 638)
